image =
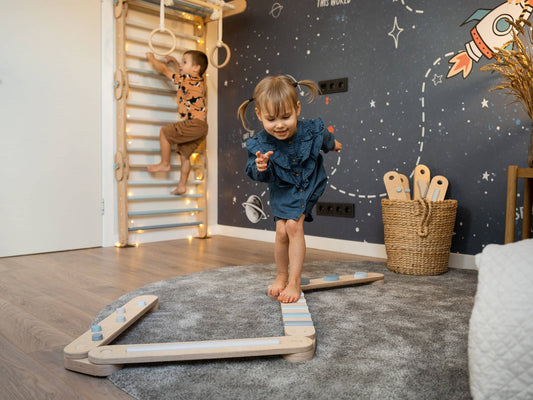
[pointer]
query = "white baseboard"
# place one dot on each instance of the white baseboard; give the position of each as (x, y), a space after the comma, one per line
(461, 261)
(162, 235)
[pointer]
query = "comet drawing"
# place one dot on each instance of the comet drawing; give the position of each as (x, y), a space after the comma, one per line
(492, 31)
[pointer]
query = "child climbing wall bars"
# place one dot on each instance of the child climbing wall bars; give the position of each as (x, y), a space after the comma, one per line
(145, 103)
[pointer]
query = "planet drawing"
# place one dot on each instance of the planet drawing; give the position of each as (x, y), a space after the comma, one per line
(253, 208)
(275, 11)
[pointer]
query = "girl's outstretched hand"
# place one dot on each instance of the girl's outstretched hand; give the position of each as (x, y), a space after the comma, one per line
(338, 146)
(261, 160)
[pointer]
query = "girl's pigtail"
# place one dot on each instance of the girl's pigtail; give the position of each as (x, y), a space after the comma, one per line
(312, 87)
(241, 112)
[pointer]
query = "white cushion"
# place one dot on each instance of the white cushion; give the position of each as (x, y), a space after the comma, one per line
(500, 341)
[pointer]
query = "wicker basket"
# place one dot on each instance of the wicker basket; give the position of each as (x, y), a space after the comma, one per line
(418, 235)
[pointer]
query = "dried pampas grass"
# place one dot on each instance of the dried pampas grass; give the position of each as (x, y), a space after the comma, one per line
(514, 64)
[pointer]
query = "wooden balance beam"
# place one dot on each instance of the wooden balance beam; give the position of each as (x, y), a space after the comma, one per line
(76, 353)
(343, 280)
(203, 350)
(90, 354)
(297, 345)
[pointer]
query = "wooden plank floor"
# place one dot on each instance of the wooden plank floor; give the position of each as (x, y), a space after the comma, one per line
(48, 300)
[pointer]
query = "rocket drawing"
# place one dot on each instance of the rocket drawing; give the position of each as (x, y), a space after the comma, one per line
(491, 32)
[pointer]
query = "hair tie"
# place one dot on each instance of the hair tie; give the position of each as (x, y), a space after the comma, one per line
(250, 99)
(293, 79)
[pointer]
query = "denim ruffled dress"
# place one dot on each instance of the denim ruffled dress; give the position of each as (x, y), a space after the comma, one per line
(295, 175)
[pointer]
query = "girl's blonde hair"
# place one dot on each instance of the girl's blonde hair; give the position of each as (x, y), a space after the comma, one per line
(278, 94)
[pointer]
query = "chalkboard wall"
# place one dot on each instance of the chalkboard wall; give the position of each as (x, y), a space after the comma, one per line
(402, 108)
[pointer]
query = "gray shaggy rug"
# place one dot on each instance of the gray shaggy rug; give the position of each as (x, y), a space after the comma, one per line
(405, 339)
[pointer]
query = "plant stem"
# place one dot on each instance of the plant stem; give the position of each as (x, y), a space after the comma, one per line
(530, 154)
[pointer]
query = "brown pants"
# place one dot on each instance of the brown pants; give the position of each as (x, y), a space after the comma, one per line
(186, 135)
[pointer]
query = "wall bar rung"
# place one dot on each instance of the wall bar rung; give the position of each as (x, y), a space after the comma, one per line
(150, 28)
(163, 197)
(136, 55)
(158, 212)
(142, 137)
(165, 226)
(146, 72)
(173, 167)
(205, 10)
(163, 92)
(156, 43)
(151, 107)
(203, 5)
(132, 150)
(191, 10)
(156, 182)
(196, 7)
(149, 121)
(146, 150)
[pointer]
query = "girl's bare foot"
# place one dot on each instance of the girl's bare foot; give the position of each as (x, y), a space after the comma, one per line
(277, 286)
(291, 294)
(158, 168)
(179, 190)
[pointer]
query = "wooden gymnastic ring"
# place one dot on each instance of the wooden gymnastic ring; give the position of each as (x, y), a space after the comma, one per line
(171, 35)
(228, 55)
(121, 84)
(120, 7)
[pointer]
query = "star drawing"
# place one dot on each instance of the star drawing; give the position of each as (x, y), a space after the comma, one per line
(437, 79)
(395, 32)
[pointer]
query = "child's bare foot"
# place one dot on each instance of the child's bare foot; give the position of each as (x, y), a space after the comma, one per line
(291, 294)
(277, 286)
(179, 190)
(158, 168)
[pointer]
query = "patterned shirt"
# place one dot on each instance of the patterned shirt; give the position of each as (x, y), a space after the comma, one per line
(191, 97)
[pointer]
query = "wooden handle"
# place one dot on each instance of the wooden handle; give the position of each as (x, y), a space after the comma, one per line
(421, 181)
(437, 188)
(394, 186)
(405, 185)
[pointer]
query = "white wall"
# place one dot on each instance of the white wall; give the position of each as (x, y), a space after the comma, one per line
(50, 126)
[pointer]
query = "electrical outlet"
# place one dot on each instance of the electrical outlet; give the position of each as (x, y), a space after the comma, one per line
(345, 210)
(333, 86)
